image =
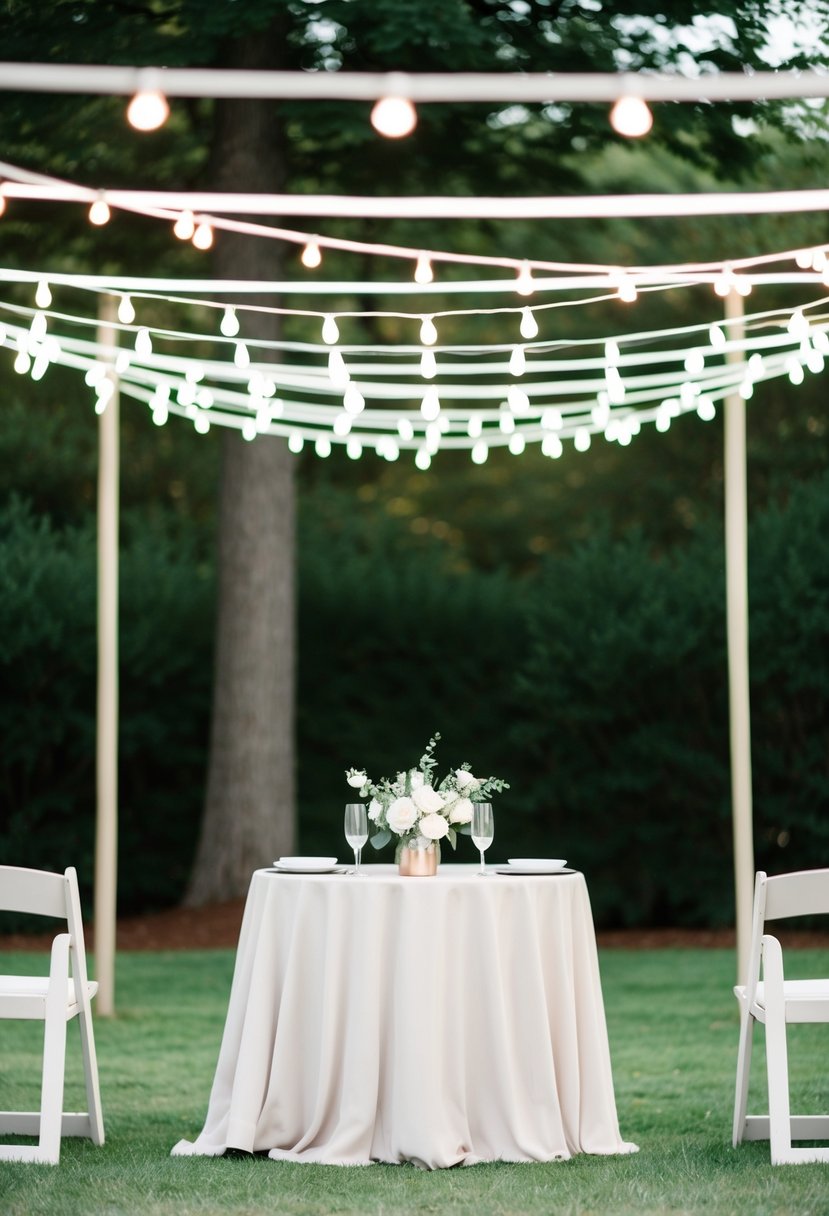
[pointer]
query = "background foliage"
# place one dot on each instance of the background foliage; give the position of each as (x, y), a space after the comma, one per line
(561, 623)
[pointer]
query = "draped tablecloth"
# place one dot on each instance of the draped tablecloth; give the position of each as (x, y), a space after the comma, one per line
(442, 1021)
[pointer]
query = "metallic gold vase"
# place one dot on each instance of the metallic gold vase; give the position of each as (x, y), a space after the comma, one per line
(419, 863)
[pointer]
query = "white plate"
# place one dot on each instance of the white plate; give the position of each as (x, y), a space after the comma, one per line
(306, 865)
(536, 865)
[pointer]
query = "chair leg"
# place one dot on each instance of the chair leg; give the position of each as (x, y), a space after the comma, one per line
(743, 1075)
(51, 1096)
(90, 1069)
(777, 1059)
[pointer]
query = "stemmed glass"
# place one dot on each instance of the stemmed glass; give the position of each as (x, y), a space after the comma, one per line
(483, 829)
(356, 829)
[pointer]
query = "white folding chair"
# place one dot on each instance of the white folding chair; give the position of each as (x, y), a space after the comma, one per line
(777, 1001)
(55, 999)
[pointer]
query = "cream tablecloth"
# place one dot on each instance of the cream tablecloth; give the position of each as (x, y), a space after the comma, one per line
(444, 1021)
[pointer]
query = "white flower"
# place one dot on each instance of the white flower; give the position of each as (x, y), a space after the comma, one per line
(427, 800)
(401, 815)
(375, 810)
(460, 811)
(417, 778)
(464, 779)
(356, 778)
(433, 827)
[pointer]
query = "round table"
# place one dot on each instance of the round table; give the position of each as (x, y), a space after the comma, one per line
(444, 1020)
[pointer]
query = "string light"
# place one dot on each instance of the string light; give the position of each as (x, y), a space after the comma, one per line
(311, 256)
(428, 332)
(394, 117)
(423, 270)
(353, 400)
(716, 337)
(241, 357)
(99, 213)
(337, 371)
(203, 235)
(229, 324)
(185, 226)
(126, 312)
(37, 330)
(524, 284)
(43, 295)
(428, 364)
(631, 117)
(330, 331)
(517, 361)
(143, 343)
(148, 110)
(529, 326)
(430, 405)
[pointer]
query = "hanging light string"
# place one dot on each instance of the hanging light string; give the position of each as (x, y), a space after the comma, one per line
(25, 184)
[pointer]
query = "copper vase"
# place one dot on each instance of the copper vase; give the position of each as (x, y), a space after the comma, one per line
(418, 863)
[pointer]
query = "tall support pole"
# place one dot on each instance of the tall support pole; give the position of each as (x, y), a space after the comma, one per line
(736, 565)
(106, 835)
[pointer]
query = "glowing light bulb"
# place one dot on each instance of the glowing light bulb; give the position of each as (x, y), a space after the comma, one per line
(423, 270)
(694, 362)
(99, 213)
(716, 337)
(626, 289)
(428, 332)
(552, 446)
(241, 357)
(430, 405)
(422, 459)
(201, 423)
(43, 296)
(229, 324)
(581, 439)
(322, 446)
(517, 361)
(529, 326)
(394, 117)
(706, 409)
(428, 364)
(311, 256)
(22, 362)
(797, 325)
(475, 426)
(742, 285)
(126, 312)
(185, 226)
(524, 284)
(517, 443)
(143, 343)
(480, 451)
(354, 448)
(631, 117)
(37, 330)
(518, 400)
(295, 442)
(330, 331)
(611, 351)
(353, 400)
(249, 430)
(203, 235)
(803, 259)
(405, 429)
(148, 110)
(337, 370)
(342, 424)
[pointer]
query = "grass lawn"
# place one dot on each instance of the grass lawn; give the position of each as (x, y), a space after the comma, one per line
(673, 1034)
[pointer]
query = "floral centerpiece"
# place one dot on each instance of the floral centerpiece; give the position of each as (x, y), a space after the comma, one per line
(419, 810)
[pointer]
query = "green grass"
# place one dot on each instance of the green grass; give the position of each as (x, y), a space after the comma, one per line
(673, 1033)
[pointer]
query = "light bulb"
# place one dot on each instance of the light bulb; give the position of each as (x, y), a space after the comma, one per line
(518, 400)
(706, 409)
(716, 336)
(99, 212)
(322, 446)
(203, 235)
(428, 364)
(405, 429)
(694, 362)
(354, 448)
(122, 361)
(626, 289)
(148, 110)
(394, 117)
(422, 459)
(201, 423)
(43, 296)
(524, 284)
(724, 282)
(803, 259)
(311, 255)
(428, 332)
(517, 361)
(517, 443)
(143, 343)
(22, 362)
(742, 285)
(337, 370)
(581, 439)
(185, 226)
(330, 331)
(249, 431)
(240, 356)
(342, 424)
(631, 116)
(353, 400)
(37, 330)
(430, 405)
(529, 326)
(295, 442)
(229, 324)
(480, 451)
(423, 270)
(126, 312)
(611, 351)
(551, 446)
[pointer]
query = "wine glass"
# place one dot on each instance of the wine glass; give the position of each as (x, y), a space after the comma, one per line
(356, 829)
(483, 829)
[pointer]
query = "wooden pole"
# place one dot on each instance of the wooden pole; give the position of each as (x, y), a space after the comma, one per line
(736, 564)
(106, 837)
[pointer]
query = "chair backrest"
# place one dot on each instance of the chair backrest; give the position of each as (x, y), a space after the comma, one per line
(38, 892)
(803, 893)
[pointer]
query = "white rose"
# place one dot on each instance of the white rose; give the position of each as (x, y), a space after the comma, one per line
(375, 809)
(356, 779)
(460, 811)
(401, 815)
(465, 780)
(433, 827)
(427, 800)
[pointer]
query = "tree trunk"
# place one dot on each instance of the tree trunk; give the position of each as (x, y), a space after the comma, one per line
(249, 816)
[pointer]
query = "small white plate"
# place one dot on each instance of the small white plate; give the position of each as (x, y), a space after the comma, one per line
(305, 865)
(537, 865)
